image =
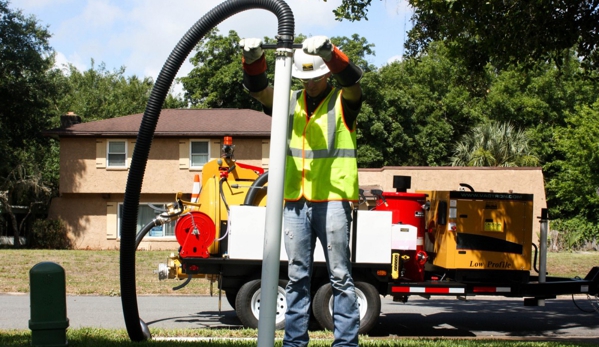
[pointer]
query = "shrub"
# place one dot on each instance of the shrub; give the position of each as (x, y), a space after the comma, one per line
(50, 234)
(573, 234)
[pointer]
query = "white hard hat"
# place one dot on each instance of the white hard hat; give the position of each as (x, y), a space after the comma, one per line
(306, 66)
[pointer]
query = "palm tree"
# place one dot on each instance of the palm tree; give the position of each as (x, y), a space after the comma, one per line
(494, 144)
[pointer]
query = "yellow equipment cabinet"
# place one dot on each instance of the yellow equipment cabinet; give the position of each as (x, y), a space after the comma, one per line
(225, 182)
(473, 231)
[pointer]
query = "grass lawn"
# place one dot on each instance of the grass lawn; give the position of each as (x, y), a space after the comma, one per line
(108, 338)
(92, 272)
(97, 272)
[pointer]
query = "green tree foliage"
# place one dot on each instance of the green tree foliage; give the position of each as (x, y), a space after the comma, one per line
(357, 48)
(98, 93)
(494, 144)
(573, 188)
(538, 100)
(508, 32)
(500, 32)
(415, 110)
(216, 79)
(26, 88)
(352, 10)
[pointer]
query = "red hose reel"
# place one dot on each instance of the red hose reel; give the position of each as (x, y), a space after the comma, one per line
(195, 232)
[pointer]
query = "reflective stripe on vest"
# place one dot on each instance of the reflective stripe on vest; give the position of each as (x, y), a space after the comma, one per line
(321, 162)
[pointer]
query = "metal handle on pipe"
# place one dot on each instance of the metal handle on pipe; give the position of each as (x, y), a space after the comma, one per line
(274, 46)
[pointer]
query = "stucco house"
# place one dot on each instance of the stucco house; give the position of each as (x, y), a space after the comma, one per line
(95, 158)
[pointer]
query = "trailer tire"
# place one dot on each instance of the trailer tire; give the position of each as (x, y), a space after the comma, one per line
(247, 304)
(369, 302)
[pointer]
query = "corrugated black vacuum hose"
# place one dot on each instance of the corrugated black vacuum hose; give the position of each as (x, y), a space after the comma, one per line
(136, 328)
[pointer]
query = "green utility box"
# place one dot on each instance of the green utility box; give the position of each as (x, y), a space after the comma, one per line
(48, 303)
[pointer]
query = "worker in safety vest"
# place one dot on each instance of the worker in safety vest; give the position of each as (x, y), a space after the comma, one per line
(321, 177)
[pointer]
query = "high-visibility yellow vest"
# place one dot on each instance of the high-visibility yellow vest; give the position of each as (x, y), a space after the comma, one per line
(321, 161)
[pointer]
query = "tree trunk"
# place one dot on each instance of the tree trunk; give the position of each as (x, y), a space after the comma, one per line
(13, 219)
(22, 225)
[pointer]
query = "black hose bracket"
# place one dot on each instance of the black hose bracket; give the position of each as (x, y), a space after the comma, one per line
(187, 280)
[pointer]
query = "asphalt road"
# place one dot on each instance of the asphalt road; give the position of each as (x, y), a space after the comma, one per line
(437, 317)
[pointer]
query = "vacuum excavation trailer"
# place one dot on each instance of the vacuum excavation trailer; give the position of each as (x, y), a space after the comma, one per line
(427, 243)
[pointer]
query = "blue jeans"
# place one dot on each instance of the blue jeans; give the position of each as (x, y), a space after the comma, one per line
(330, 223)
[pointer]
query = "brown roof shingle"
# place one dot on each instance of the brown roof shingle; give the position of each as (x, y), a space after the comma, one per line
(178, 123)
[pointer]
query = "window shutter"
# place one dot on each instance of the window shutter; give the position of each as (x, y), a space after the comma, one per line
(214, 149)
(111, 220)
(100, 154)
(265, 153)
(130, 148)
(183, 154)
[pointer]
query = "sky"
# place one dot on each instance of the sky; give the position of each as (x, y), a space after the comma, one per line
(140, 34)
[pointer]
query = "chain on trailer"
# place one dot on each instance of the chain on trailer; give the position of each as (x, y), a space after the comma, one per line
(591, 300)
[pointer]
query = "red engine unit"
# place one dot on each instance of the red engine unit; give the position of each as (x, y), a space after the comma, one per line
(407, 209)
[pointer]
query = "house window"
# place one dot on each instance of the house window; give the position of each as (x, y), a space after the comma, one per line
(199, 154)
(145, 214)
(117, 154)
